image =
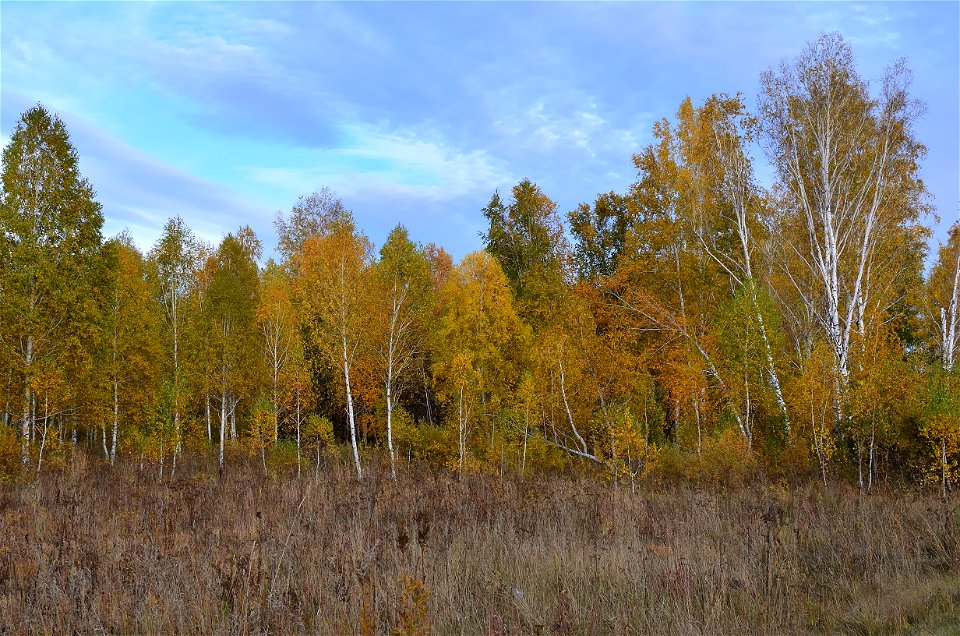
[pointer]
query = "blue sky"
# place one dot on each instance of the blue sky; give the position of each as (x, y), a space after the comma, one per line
(224, 113)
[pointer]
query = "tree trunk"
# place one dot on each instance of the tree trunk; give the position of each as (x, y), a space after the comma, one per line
(276, 403)
(861, 482)
(353, 426)
(696, 417)
(771, 366)
(223, 425)
(43, 439)
(298, 434)
(818, 446)
(426, 391)
(950, 326)
(393, 464)
(27, 424)
(461, 434)
(116, 421)
(176, 384)
(526, 435)
(943, 467)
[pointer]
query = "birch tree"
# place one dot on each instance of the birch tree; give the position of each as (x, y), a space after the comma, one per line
(942, 425)
(668, 285)
(278, 325)
(174, 259)
(313, 215)
(847, 161)
(726, 209)
(296, 390)
(334, 283)
(200, 367)
(405, 288)
(943, 294)
(231, 309)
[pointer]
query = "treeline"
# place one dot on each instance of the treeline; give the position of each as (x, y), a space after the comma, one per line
(698, 323)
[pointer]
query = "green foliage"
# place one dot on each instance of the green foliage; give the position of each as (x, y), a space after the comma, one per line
(600, 234)
(526, 237)
(941, 428)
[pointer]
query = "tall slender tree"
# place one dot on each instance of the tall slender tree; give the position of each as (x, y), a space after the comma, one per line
(174, 259)
(49, 244)
(482, 345)
(943, 299)
(405, 291)
(278, 326)
(231, 309)
(334, 274)
(847, 162)
(133, 341)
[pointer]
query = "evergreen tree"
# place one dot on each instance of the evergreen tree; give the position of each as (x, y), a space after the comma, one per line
(50, 243)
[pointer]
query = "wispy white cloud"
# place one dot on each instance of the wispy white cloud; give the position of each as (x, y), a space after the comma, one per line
(863, 25)
(141, 192)
(372, 161)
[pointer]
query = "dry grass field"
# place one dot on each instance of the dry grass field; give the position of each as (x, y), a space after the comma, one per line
(89, 549)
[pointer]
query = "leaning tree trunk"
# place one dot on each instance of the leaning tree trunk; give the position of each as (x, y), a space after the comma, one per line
(353, 426)
(389, 388)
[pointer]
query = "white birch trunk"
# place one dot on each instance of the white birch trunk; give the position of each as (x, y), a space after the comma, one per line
(737, 181)
(461, 434)
(176, 374)
(276, 401)
(346, 370)
(223, 425)
(950, 322)
(27, 424)
(298, 433)
(393, 464)
(116, 401)
(943, 467)
(116, 421)
(389, 387)
(353, 426)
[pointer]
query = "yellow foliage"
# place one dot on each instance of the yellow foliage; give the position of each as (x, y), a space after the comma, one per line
(811, 397)
(414, 614)
(9, 453)
(724, 459)
(943, 434)
(317, 432)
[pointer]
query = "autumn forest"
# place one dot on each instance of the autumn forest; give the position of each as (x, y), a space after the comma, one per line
(789, 345)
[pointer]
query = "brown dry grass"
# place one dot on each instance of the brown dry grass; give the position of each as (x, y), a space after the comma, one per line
(95, 550)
